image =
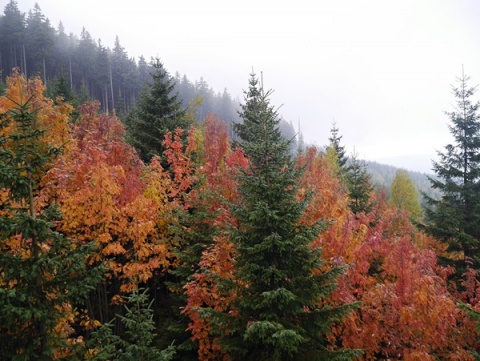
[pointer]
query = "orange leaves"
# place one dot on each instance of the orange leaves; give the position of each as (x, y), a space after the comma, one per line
(107, 196)
(182, 166)
(329, 202)
(48, 117)
(406, 311)
(221, 165)
(52, 117)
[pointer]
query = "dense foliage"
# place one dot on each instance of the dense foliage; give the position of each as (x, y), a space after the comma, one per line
(194, 246)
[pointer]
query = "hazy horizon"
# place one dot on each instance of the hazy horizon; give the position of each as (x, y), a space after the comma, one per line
(380, 70)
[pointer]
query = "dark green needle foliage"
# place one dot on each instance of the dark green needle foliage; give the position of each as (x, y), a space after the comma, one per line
(45, 271)
(359, 186)
(137, 341)
(158, 112)
(455, 218)
(194, 233)
(339, 150)
(278, 313)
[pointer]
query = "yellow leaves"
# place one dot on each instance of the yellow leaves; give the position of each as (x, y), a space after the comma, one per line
(404, 195)
(50, 117)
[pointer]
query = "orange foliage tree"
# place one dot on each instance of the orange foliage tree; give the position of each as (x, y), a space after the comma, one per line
(42, 275)
(406, 310)
(108, 196)
(221, 163)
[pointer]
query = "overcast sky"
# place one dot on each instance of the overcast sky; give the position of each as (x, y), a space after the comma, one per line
(381, 69)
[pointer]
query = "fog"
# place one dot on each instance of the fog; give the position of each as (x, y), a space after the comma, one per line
(380, 69)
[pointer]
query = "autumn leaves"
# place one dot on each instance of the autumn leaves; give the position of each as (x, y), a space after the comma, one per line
(151, 223)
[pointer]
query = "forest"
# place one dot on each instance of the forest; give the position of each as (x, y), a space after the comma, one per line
(141, 223)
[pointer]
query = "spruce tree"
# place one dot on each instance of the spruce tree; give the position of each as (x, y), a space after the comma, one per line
(455, 218)
(359, 186)
(279, 311)
(41, 271)
(335, 145)
(194, 233)
(138, 339)
(157, 113)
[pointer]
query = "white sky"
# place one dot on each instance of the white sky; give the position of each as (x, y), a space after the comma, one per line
(381, 69)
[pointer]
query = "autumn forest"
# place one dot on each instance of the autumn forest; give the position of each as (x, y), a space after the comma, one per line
(139, 222)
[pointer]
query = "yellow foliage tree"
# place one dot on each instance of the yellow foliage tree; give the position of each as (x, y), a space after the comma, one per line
(404, 195)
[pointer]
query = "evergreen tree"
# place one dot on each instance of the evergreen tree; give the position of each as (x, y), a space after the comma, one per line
(39, 36)
(335, 145)
(12, 36)
(60, 87)
(455, 218)
(279, 311)
(194, 233)
(157, 113)
(41, 272)
(359, 186)
(138, 338)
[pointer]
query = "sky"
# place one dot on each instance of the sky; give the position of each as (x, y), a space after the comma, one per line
(382, 70)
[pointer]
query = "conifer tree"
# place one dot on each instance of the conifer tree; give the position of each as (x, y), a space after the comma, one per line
(157, 113)
(138, 339)
(194, 233)
(41, 271)
(279, 312)
(359, 186)
(455, 218)
(335, 145)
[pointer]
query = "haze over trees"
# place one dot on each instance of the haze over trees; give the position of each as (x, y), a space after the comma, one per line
(145, 229)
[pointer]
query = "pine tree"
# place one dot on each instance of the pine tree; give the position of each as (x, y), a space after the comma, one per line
(41, 272)
(455, 218)
(335, 145)
(194, 233)
(137, 340)
(359, 186)
(279, 311)
(12, 30)
(157, 113)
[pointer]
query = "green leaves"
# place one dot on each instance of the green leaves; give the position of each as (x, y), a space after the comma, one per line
(42, 275)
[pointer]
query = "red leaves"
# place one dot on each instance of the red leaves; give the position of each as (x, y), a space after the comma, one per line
(105, 194)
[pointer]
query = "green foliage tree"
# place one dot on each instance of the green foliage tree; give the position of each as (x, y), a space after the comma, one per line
(138, 338)
(41, 272)
(12, 25)
(194, 234)
(404, 195)
(39, 37)
(359, 186)
(279, 312)
(337, 148)
(455, 218)
(59, 87)
(157, 112)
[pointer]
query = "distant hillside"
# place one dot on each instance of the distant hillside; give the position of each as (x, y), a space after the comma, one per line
(86, 69)
(383, 175)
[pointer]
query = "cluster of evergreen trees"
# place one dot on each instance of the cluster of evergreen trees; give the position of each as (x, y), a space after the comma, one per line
(80, 68)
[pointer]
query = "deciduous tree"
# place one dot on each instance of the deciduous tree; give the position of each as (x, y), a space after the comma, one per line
(42, 274)
(404, 195)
